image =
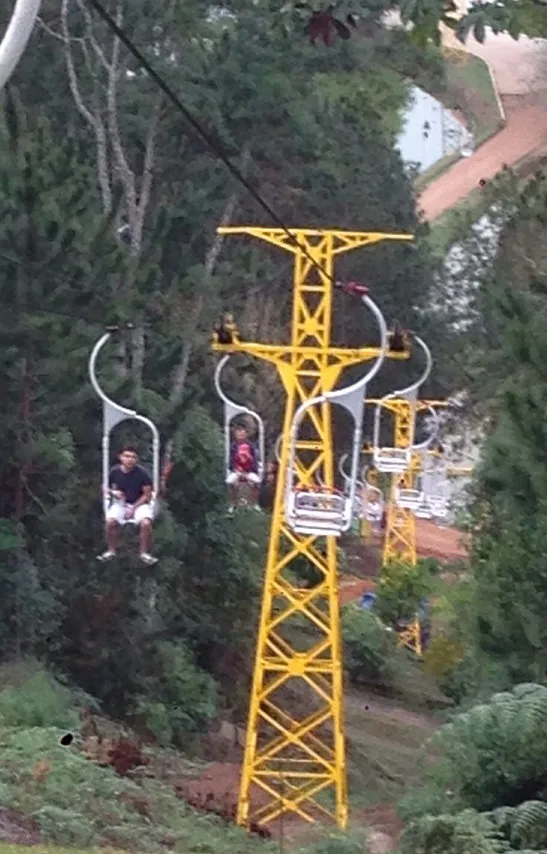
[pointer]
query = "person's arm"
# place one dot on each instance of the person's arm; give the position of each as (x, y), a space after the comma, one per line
(231, 460)
(111, 491)
(256, 458)
(146, 494)
(145, 498)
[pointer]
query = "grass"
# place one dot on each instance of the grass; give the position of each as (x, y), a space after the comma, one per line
(468, 85)
(77, 805)
(382, 749)
(53, 849)
(454, 224)
(467, 88)
(435, 171)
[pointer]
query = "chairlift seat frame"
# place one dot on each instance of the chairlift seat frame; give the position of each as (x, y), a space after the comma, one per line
(408, 499)
(338, 519)
(114, 414)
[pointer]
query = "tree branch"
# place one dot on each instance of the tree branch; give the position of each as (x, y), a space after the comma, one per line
(125, 174)
(89, 35)
(91, 117)
(147, 170)
(211, 260)
(71, 70)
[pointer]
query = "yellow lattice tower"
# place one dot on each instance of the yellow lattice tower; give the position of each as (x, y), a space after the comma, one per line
(290, 759)
(400, 534)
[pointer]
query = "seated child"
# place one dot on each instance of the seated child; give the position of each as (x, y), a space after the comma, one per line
(243, 467)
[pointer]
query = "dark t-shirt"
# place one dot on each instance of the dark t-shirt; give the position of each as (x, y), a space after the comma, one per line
(131, 483)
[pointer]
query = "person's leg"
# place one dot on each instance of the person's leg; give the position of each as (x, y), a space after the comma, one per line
(111, 534)
(114, 518)
(145, 536)
(143, 518)
(232, 481)
(254, 482)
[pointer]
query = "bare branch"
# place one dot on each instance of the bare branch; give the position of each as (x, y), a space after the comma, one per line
(90, 36)
(147, 170)
(125, 174)
(93, 118)
(51, 32)
(72, 77)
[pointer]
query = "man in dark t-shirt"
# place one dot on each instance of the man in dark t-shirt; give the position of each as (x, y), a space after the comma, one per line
(130, 491)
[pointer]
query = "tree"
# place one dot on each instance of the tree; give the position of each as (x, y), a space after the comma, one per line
(487, 790)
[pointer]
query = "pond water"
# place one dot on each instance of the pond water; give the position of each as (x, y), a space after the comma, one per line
(430, 132)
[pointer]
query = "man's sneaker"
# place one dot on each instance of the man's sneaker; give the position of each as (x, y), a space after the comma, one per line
(148, 559)
(231, 510)
(106, 556)
(258, 508)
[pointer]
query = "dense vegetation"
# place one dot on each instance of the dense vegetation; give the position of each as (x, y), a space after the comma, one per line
(90, 145)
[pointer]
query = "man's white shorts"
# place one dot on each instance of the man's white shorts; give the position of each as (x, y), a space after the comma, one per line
(117, 512)
(251, 477)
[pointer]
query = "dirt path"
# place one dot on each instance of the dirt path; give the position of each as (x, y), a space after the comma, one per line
(446, 544)
(520, 71)
(525, 134)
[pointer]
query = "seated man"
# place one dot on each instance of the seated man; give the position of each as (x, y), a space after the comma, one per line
(243, 467)
(130, 488)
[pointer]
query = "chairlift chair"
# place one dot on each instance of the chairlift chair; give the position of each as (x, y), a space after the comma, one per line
(411, 498)
(372, 510)
(231, 411)
(387, 458)
(332, 515)
(114, 414)
(359, 486)
(436, 490)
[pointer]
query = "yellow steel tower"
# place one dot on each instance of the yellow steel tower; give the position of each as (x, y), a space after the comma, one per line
(293, 756)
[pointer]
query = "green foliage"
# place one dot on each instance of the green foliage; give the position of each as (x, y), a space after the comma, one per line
(315, 131)
(490, 760)
(401, 589)
(39, 702)
(180, 698)
(369, 648)
(466, 833)
(340, 843)
(77, 802)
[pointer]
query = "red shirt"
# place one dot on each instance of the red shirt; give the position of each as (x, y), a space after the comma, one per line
(244, 457)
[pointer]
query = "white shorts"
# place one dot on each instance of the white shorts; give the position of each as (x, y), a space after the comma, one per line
(117, 510)
(234, 477)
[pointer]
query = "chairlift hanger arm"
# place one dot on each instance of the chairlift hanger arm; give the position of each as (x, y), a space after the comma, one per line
(278, 353)
(131, 413)
(18, 32)
(415, 385)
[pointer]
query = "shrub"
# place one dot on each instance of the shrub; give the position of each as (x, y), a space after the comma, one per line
(38, 701)
(180, 699)
(368, 646)
(402, 587)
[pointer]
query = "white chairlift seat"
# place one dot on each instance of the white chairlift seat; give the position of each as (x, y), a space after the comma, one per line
(328, 512)
(423, 511)
(114, 414)
(374, 511)
(439, 506)
(392, 460)
(319, 513)
(408, 499)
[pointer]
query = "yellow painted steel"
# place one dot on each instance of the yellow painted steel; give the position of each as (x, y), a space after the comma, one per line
(295, 746)
(400, 534)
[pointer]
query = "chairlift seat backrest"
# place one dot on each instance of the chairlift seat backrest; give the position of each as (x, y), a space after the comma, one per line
(311, 512)
(423, 511)
(394, 460)
(408, 499)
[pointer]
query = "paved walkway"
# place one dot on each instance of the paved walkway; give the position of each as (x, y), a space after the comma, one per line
(520, 71)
